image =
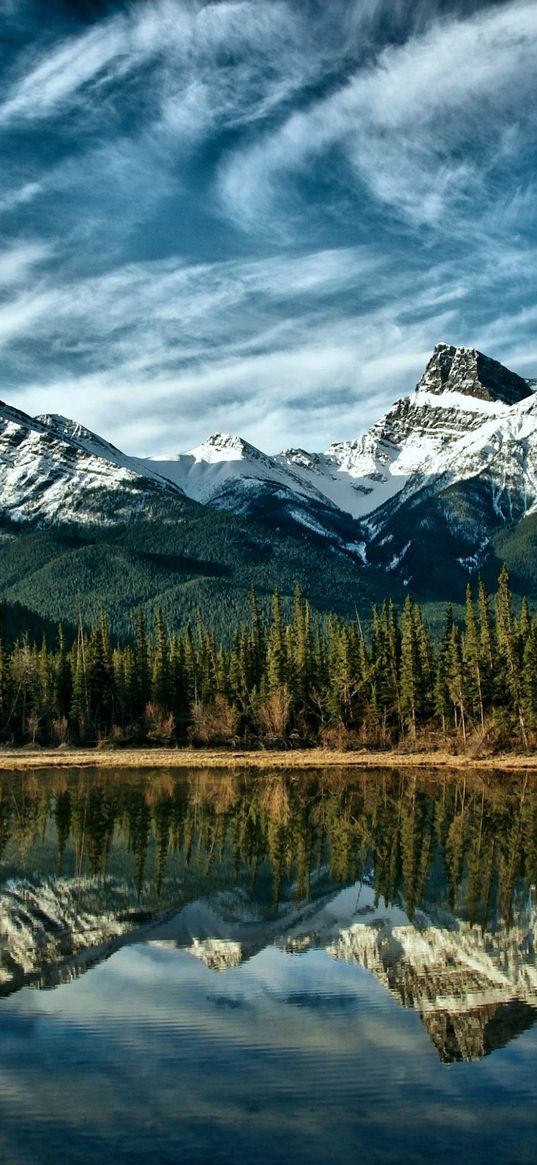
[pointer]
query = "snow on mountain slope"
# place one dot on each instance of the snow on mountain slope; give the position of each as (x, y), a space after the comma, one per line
(230, 474)
(361, 475)
(467, 415)
(96, 446)
(52, 470)
(504, 449)
(210, 473)
(460, 392)
(454, 461)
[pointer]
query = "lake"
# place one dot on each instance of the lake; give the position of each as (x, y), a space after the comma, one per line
(216, 966)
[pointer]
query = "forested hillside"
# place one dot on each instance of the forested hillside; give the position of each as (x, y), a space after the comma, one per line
(191, 558)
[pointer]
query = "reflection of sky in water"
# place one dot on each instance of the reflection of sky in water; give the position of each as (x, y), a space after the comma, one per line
(151, 1056)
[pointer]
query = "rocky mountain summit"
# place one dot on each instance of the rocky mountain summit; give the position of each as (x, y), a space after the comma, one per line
(468, 420)
(469, 372)
(446, 468)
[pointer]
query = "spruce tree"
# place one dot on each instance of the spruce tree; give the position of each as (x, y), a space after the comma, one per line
(410, 668)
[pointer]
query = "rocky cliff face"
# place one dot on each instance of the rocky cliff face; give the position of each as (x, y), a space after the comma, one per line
(469, 372)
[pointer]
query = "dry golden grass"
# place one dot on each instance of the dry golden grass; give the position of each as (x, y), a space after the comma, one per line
(30, 758)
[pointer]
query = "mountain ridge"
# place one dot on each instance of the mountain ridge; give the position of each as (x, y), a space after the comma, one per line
(428, 497)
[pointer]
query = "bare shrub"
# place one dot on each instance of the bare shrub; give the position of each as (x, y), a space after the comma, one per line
(33, 721)
(60, 730)
(214, 723)
(338, 738)
(159, 726)
(273, 714)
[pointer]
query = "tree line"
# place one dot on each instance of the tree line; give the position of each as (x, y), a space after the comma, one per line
(296, 678)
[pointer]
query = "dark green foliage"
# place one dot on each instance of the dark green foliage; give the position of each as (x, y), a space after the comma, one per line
(298, 677)
(192, 558)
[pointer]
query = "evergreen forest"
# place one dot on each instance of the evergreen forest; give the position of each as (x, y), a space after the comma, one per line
(297, 679)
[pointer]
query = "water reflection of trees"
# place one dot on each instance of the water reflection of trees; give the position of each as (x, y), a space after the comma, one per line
(466, 843)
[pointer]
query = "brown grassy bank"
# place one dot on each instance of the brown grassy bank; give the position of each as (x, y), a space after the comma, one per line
(34, 758)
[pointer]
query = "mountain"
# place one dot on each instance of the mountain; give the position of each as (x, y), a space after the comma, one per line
(55, 471)
(460, 392)
(449, 466)
(441, 487)
(82, 524)
(230, 474)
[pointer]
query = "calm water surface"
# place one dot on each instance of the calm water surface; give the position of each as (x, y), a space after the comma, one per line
(313, 967)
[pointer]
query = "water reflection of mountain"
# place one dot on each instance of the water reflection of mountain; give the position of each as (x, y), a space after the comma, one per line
(473, 990)
(439, 906)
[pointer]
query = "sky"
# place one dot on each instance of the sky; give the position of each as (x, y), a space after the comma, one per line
(260, 216)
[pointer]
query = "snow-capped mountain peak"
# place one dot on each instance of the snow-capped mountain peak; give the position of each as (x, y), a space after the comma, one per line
(230, 473)
(458, 456)
(74, 431)
(223, 447)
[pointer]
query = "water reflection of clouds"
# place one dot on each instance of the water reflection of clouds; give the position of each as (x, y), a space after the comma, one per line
(151, 1042)
(153, 1055)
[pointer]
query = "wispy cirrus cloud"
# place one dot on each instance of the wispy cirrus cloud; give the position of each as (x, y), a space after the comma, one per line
(299, 350)
(18, 261)
(213, 64)
(422, 127)
(258, 214)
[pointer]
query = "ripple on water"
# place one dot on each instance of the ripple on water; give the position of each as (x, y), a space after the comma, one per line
(233, 1033)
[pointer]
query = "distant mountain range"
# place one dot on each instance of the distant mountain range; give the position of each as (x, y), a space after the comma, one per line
(442, 487)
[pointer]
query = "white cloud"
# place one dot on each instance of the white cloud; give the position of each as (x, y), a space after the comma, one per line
(19, 196)
(214, 65)
(59, 75)
(287, 348)
(189, 302)
(402, 122)
(16, 262)
(167, 352)
(321, 384)
(19, 317)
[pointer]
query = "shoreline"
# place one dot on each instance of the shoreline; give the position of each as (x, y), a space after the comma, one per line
(18, 759)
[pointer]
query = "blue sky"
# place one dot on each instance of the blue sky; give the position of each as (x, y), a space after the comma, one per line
(259, 216)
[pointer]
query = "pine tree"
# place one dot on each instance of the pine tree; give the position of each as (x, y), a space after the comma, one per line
(62, 681)
(161, 688)
(142, 673)
(529, 679)
(472, 662)
(410, 668)
(442, 699)
(455, 680)
(508, 662)
(258, 646)
(487, 645)
(277, 661)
